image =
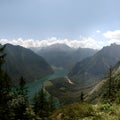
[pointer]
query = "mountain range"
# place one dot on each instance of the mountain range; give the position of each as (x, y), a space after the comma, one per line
(100, 103)
(92, 69)
(61, 55)
(107, 88)
(21, 61)
(85, 75)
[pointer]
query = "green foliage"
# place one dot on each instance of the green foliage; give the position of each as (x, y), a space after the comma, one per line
(19, 104)
(84, 111)
(22, 102)
(106, 108)
(44, 104)
(81, 97)
(23, 62)
(40, 104)
(74, 112)
(22, 88)
(111, 88)
(2, 56)
(117, 96)
(14, 104)
(30, 114)
(52, 103)
(5, 89)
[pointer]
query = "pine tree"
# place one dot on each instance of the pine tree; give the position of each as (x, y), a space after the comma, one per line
(5, 89)
(110, 82)
(81, 97)
(109, 93)
(52, 103)
(2, 56)
(41, 106)
(21, 100)
(22, 89)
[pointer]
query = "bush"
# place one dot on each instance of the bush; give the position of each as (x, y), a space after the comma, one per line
(74, 111)
(106, 108)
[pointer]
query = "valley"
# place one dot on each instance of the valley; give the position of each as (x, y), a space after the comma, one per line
(93, 79)
(35, 86)
(59, 60)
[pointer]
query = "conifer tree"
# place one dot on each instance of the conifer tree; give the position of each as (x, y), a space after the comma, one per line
(109, 93)
(52, 103)
(41, 106)
(22, 89)
(22, 100)
(110, 82)
(5, 88)
(81, 97)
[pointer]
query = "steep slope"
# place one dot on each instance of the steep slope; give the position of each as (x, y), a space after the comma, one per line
(94, 68)
(85, 75)
(108, 88)
(23, 62)
(84, 111)
(61, 55)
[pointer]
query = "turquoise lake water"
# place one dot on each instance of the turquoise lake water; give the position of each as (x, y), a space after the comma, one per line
(34, 86)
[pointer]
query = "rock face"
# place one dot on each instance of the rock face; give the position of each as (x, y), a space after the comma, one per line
(92, 69)
(24, 62)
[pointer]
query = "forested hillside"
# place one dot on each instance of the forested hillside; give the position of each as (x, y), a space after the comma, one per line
(101, 103)
(85, 75)
(24, 62)
(14, 101)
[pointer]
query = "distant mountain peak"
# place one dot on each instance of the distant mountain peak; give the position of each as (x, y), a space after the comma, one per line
(61, 55)
(58, 46)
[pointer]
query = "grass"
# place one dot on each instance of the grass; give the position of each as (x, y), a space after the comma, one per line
(85, 111)
(48, 83)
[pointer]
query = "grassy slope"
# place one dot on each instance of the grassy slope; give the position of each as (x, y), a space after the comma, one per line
(84, 111)
(66, 92)
(105, 107)
(100, 91)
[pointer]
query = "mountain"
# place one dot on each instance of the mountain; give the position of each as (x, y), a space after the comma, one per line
(85, 75)
(100, 103)
(108, 88)
(61, 55)
(24, 62)
(92, 69)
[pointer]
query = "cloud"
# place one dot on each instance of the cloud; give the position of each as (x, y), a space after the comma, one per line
(98, 31)
(112, 34)
(83, 42)
(111, 41)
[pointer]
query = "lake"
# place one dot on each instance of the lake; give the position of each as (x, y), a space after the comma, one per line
(35, 86)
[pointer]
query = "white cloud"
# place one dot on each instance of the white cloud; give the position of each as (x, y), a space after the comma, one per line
(112, 34)
(98, 31)
(83, 42)
(111, 41)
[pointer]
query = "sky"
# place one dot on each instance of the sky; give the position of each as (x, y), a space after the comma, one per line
(77, 23)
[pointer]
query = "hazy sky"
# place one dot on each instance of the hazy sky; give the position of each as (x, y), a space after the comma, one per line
(60, 20)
